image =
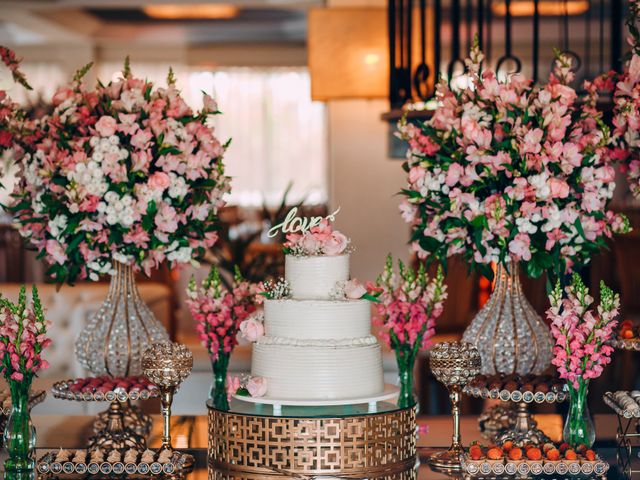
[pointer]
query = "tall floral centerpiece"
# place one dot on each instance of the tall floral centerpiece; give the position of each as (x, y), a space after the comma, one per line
(125, 177)
(12, 122)
(219, 313)
(23, 338)
(517, 175)
(626, 105)
(409, 304)
(581, 351)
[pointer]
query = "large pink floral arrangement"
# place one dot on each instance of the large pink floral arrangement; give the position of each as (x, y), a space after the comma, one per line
(219, 311)
(510, 171)
(124, 172)
(23, 338)
(408, 304)
(12, 122)
(581, 334)
(626, 106)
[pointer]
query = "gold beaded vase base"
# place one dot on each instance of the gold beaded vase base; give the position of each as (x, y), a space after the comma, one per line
(359, 446)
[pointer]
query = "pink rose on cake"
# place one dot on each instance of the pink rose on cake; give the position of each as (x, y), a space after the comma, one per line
(251, 329)
(354, 289)
(336, 244)
(257, 386)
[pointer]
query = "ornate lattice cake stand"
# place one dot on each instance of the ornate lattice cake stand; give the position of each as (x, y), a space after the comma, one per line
(339, 441)
(122, 426)
(525, 429)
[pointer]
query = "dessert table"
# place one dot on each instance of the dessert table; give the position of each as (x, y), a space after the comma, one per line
(190, 435)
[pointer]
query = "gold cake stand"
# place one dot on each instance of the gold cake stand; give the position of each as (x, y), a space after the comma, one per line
(347, 441)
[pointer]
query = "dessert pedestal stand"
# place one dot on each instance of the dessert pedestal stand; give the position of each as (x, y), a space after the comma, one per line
(627, 434)
(344, 441)
(453, 364)
(525, 430)
(632, 344)
(167, 365)
(496, 420)
(114, 433)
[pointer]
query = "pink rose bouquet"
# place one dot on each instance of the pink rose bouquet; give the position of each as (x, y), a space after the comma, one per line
(581, 348)
(510, 171)
(319, 240)
(125, 172)
(408, 305)
(219, 313)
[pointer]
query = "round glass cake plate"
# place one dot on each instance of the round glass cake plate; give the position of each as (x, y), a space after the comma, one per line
(123, 425)
(390, 392)
(525, 429)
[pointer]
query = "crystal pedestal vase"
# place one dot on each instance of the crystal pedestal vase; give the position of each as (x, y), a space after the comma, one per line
(508, 333)
(114, 339)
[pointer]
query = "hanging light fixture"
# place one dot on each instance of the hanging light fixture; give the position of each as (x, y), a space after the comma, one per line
(348, 53)
(546, 8)
(210, 11)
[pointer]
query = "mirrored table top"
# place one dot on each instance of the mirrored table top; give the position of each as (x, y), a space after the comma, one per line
(190, 435)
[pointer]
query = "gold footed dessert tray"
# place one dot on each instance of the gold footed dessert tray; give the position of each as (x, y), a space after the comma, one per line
(346, 441)
(521, 391)
(122, 426)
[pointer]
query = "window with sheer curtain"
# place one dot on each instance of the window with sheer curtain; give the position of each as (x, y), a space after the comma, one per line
(278, 135)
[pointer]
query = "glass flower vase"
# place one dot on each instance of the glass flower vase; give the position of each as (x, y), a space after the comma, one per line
(578, 426)
(19, 433)
(405, 358)
(510, 336)
(115, 338)
(218, 393)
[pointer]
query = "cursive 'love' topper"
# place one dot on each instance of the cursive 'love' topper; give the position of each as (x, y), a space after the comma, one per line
(294, 224)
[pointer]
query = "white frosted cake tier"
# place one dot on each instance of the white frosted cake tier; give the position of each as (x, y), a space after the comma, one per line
(318, 372)
(315, 277)
(317, 319)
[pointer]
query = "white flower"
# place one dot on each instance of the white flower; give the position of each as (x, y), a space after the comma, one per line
(178, 187)
(525, 226)
(57, 225)
(541, 183)
(122, 258)
(182, 255)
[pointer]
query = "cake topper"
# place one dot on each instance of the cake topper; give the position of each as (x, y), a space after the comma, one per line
(294, 224)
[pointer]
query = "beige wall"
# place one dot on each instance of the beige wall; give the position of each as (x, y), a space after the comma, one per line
(363, 182)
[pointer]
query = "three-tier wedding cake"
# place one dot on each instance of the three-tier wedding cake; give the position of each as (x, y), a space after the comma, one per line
(317, 342)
